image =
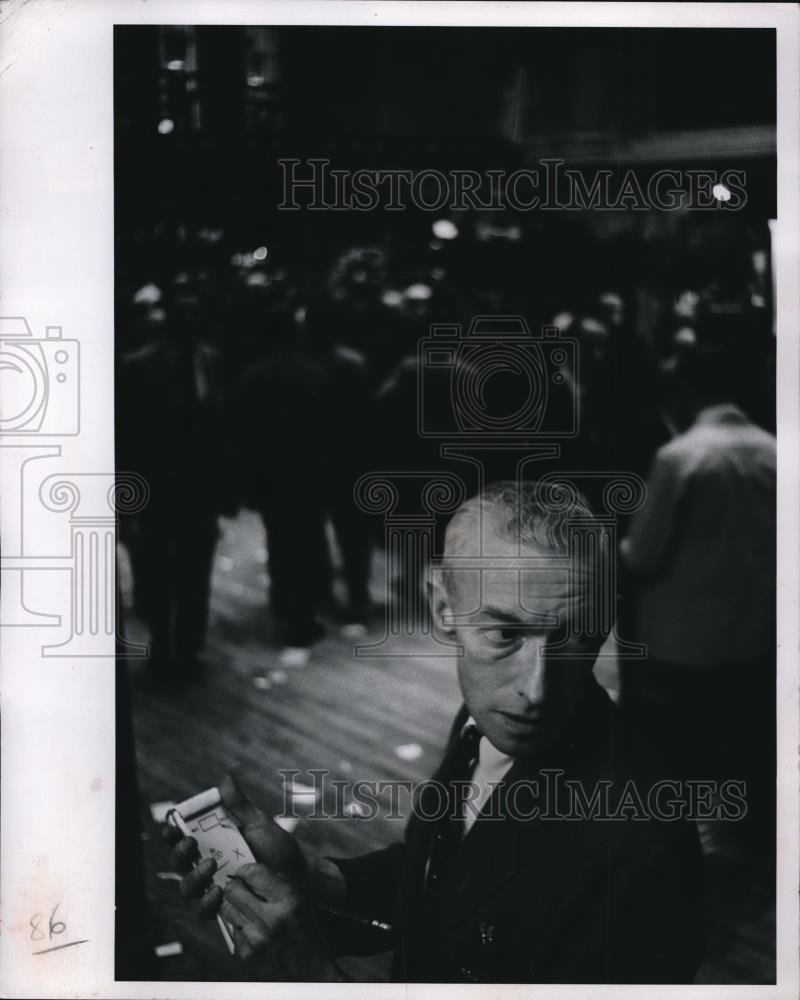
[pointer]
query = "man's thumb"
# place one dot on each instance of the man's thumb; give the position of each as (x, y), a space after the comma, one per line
(238, 804)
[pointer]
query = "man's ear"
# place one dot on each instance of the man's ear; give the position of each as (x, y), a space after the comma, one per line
(439, 601)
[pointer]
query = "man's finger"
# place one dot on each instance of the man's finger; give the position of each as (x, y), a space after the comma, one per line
(210, 903)
(233, 797)
(241, 946)
(184, 854)
(254, 907)
(238, 804)
(197, 881)
(264, 883)
(236, 921)
(250, 936)
(171, 833)
(231, 912)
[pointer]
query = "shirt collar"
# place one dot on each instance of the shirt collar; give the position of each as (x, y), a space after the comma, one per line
(488, 754)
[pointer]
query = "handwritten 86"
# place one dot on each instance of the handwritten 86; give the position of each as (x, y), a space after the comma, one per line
(55, 926)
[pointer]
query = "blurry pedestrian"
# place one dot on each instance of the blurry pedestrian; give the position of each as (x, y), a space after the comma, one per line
(703, 551)
(349, 427)
(170, 431)
(282, 447)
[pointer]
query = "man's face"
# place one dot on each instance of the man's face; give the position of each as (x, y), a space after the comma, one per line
(519, 688)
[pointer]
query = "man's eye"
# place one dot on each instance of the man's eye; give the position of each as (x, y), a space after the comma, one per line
(501, 636)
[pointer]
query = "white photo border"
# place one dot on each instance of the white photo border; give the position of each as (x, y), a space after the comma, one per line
(57, 270)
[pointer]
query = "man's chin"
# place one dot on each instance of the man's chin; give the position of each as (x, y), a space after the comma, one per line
(519, 744)
(523, 748)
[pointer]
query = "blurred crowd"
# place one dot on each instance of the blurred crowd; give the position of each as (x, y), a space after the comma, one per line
(248, 385)
(252, 385)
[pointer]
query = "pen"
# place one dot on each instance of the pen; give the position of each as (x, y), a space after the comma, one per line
(378, 925)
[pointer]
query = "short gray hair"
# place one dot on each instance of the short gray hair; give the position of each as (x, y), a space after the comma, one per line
(530, 512)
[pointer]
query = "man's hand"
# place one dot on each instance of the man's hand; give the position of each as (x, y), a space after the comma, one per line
(274, 929)
(271, 846)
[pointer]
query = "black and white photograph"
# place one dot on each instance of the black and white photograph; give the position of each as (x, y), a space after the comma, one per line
(438, 581)
(391, 303)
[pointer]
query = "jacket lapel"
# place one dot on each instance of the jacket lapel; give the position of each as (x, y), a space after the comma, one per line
(489, 857)
(418, 837)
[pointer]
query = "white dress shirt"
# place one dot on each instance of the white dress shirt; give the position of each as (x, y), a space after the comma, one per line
(490, 770)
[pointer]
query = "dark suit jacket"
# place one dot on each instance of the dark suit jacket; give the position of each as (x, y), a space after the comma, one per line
(542, 900)
(170, 426)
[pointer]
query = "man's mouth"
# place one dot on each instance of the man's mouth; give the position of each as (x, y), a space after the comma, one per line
(521, 721)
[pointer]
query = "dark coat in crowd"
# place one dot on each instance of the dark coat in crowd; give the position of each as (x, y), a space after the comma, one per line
(171, 431)
(170, 401)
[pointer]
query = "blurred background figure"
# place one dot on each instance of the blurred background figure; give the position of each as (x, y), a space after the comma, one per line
(349, 425)
(170, 430)
(283, 457)
(703, 551)
(403, 448)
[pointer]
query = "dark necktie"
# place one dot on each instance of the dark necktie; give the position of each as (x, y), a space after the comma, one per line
(448, 831)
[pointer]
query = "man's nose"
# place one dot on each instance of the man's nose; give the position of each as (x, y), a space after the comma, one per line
(531, 680)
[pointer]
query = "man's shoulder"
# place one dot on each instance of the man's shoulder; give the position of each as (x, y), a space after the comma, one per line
(604, 800)
(606, 824)
(705, 449)
(680, 449)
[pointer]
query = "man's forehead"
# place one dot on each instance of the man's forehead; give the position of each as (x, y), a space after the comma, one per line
(497, 553)
(555, 577)
(527, 580)
(483, 553)
(480, 531)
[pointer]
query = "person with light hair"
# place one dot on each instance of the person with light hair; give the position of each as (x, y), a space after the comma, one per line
(499, 878)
